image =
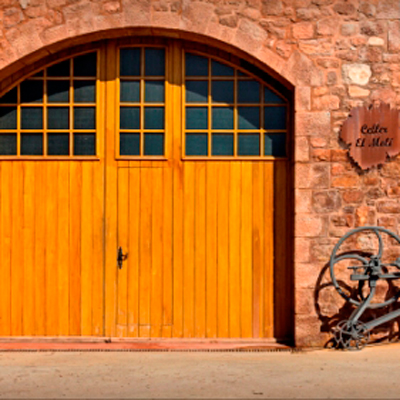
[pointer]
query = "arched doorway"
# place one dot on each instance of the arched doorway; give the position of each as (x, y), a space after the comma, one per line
(152, 175)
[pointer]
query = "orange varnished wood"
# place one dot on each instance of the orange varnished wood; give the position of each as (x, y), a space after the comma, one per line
(202, 261)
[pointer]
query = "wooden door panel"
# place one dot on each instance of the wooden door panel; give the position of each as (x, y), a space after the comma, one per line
(144, 299)
(53, 258)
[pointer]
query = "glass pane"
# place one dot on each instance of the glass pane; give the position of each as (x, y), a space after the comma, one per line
(58, 144)
(32, 92)
(31, 144)
(10, 97)
(85, 65)
(218, 69)
(275, 145)
(222, 144)
(8, 144)
(222, 92)
(196, 144)
(196, 91)
(130, 62)
(154, 118)
(154, 91)
(248, 92)
(196, 65)
(31, 117)
(249, 144)
(58, 91)
(129, 144)
(8, 117)
(275, 118)
(154, 62)
(58, 118)
(271, 97)
(61, 69)
(84, 118)
(249, 117)
(196, 118)
(222, 118)
(38, 74)
(129, 118)
(84, 144)
(153, 144)
(85, 91)
(130, 91)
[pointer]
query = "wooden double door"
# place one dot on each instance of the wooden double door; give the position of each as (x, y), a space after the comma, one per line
(200, 256)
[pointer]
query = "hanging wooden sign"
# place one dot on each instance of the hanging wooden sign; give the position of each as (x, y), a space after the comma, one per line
(372, 134)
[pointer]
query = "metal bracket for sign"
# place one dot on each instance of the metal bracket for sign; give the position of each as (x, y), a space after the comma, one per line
(364, 267)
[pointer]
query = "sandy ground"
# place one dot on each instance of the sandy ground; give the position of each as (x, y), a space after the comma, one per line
(373, 372)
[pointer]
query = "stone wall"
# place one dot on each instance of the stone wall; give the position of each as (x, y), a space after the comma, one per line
(337, 54)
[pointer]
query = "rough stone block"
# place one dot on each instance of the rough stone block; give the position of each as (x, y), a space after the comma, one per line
(316, 124)
(357, 74)
(315, 176)
(309, 225)
(301, 250)
(326, 201)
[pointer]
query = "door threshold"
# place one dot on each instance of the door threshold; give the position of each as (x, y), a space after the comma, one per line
(90, 343)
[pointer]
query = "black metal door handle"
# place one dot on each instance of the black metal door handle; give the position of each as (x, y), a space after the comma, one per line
(121, 257)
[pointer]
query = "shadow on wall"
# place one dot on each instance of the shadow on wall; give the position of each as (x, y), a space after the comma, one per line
(331, 308)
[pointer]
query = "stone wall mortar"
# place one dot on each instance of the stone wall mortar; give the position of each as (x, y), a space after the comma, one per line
(338, 54)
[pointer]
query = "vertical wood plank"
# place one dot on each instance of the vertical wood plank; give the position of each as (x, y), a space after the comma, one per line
(29, 309)
(167, 253)
(246, 252)
(269, 250)
(111, 193)
(40, 248)
(146, 183)
(52, 316)
(223, 248)
(257, 245)
(211, 249)
(17, 250)
(234, 249)
(188, 249)
(200, 250)
(176, 132)
(133, 262)
(5, 247)
(63, 250)
(75, 240)
(87, 249)
(98, 250)
(157, 253)
(123, 218)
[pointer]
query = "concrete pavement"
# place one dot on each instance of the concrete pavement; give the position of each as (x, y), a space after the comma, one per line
(373, 372)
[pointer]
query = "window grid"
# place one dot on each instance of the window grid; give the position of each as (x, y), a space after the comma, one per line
(142, 104)
(238, 76)
(44, 105)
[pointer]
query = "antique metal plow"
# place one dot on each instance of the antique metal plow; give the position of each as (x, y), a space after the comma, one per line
(364, 275)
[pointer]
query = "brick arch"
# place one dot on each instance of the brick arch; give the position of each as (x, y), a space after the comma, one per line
(34, 39)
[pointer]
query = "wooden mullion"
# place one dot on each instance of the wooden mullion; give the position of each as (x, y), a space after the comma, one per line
(235, 116)
(19, 120)
(45, 113)
(141, 99)
(209, 102)
(262, 134)
(71, 108)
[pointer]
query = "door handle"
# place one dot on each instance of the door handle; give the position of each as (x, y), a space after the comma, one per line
(121, 257)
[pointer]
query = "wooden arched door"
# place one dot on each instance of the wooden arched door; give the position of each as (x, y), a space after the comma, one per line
(175, 153)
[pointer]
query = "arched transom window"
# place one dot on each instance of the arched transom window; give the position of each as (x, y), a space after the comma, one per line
(226, 111)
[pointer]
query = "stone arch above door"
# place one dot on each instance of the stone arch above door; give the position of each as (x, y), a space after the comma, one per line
(31, 33)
